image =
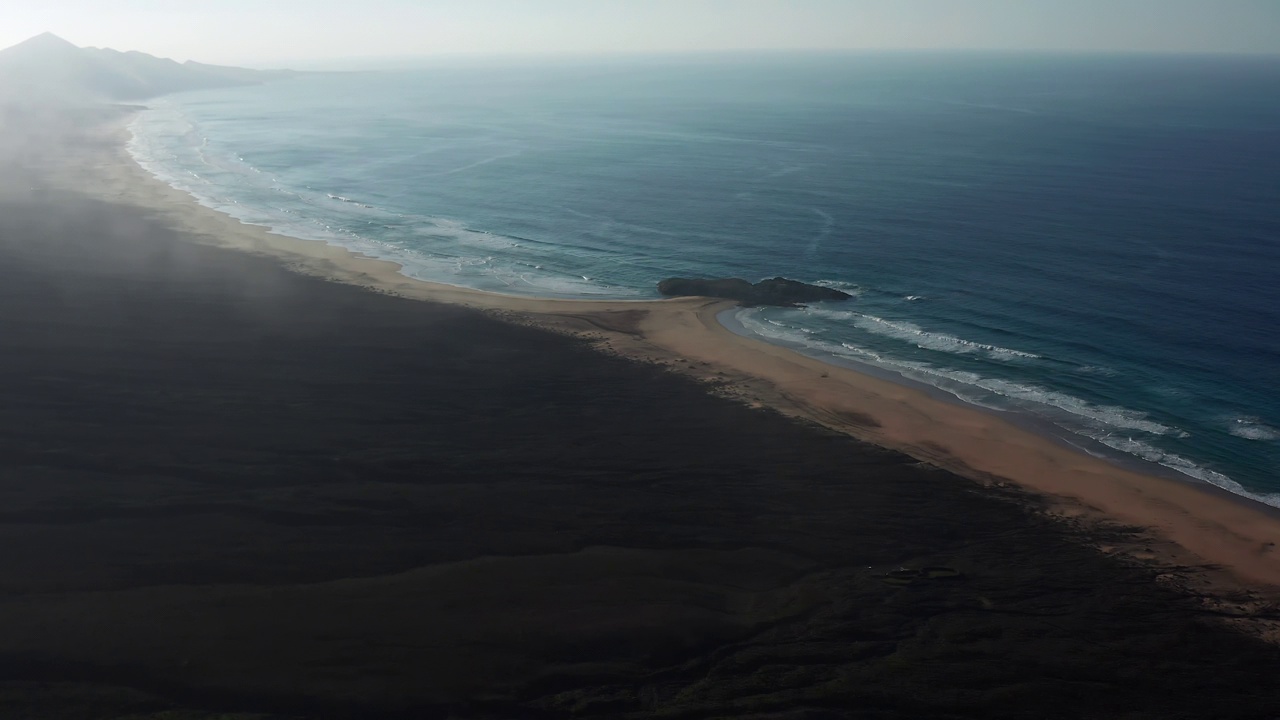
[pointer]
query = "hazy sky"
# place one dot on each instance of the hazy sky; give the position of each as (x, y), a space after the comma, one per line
(282, 31)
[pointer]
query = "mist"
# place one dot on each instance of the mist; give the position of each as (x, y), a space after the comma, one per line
(292, 32)
(444, 392)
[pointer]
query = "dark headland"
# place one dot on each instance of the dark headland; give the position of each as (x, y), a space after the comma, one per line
(232, 490)
(48, 69)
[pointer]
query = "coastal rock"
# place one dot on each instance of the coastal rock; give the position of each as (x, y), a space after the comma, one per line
(775, 291)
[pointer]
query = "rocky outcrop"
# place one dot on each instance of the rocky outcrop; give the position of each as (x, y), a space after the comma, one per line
(776, 291)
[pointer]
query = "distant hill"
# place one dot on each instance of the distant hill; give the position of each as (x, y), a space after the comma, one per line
(48, 69)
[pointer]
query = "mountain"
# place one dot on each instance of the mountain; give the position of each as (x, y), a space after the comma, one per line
(47, 68)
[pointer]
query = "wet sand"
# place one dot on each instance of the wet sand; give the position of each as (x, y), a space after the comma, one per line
(232, 487)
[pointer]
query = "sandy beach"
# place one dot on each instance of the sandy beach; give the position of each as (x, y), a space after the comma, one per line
(248, 475)
(1191, 523)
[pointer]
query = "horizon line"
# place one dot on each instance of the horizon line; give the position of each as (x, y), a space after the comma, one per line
(482, 55)
(726, 52)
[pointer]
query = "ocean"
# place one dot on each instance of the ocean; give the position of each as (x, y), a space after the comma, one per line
(1088, 243)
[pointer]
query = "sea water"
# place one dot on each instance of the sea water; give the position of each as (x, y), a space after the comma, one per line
(1089, 242)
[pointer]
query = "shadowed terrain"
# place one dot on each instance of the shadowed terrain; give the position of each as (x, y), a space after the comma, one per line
(226, 488)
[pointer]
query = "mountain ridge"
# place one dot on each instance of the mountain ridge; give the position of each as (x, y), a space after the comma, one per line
(47, 69)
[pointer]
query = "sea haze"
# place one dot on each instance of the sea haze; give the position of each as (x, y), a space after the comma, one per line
(1090, 242)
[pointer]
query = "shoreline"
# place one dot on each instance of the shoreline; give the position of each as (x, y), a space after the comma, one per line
(1072, 421)
(1038, 425)
(1202, 524)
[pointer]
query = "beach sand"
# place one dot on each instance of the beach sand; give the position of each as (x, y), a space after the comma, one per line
(237, 480)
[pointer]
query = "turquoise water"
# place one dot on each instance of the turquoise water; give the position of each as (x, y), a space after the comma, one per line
(1090, 242)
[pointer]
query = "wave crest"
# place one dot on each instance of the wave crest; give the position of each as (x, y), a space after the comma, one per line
(1102, 423)
(1252, 428)
(926, 339)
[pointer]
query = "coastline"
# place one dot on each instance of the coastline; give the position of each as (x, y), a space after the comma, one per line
(1068, 439)
(1200, 524)
(239, 488)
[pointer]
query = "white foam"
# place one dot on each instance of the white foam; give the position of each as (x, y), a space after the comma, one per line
(756, 323)
(974, 388)
(841, 285)
(1109, 415)
(1252, 428)
(912, 333)
(427, 248)
(1151, 453)
(1080, 413)
(1097, 422)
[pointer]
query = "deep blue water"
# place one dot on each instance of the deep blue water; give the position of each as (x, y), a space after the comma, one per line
(1094, 241)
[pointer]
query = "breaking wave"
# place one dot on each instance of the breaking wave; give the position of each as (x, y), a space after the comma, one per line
(1110, 425)
(914, 334)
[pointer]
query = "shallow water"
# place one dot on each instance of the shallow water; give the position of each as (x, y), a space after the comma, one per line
(1090, 240)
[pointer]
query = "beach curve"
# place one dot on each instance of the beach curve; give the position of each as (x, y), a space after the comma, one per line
(1190, 524)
